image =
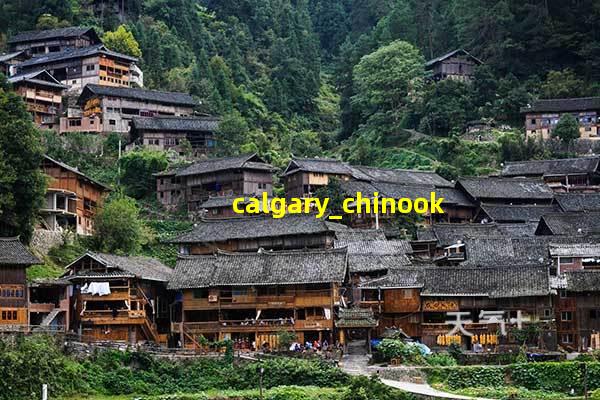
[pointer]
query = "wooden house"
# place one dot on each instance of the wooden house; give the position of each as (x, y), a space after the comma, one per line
(9, 62)
(221, 207)
(49, 305)
(72, 198)
(36, 43)
(226, 176)
(170, 133)
(568, 175)
(458, 64)
(42, 95)
(495, 190)
(303, 176)
(542, 116)
(422, 301)
(119, 298)
(254, 233)
(14, 261)
(86, 65)
(250, 297)
(106, 109)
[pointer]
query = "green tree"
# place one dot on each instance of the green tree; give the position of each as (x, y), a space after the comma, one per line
(447, 108)
(387, 82)
(231, 134)
(123, 41)
(22, 183)
(137, 168)
(567, 129)
(563, 84)
(118, 228)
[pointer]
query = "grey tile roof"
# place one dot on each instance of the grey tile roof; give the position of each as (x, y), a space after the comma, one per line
(245, 161)
(448, 234)
(578, 224)
(78, 172)
(564, 105)
(322, 165)
(497, 282)
(131, 266)
(582, 281)
(575, 250)
(68, 54)
(582, 165)
(152, 96)
(397, 278)
(213, 230)
(505, 188)
(403, 176)
(375, 255)
(222, 201)
(578, 202)
(451, 54)
(174, 123)
(489, 251)
(356, 318)
(9, 56)
(13, 252)
(516, 213)
(515, 230)
(262, 268)
(30, 36)
(353, 235)
(42, 78)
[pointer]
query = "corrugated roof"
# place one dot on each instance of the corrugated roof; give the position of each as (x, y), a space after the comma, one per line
(582, 165)
(13, 252)
(174, 123)
(563, 105)
(262, 268)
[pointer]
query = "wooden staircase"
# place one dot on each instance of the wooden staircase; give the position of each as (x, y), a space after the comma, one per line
(148, 327)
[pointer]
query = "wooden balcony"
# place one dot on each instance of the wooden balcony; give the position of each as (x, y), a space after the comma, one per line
(117, 293)
(320, 298)
(106, 317)
(41, 307)
(262, 325)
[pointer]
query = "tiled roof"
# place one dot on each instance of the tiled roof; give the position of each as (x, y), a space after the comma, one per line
(448, 234)
(245, 161)
(173, 123)
(78, 172)
(575, 250)
(516, 213)
(30, 36)
(255, 227)
(582, 165)
(506, 188)
(578, 202)
(222, 201)
(262, 268)
(322, 165)
(68, 54)
(496, 282)
(42, 78)
(9, 56)
(582, 281)
(13, 252)
(356, 318)
(142, 267)
(345, 236)
(564, 105)
(152, 96)
(578, 224)
(517, 230)
(451, 54)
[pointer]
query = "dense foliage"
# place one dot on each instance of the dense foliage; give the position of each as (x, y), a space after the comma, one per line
(22, 183)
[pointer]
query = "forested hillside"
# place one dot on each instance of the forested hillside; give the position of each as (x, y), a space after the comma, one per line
(345, 77)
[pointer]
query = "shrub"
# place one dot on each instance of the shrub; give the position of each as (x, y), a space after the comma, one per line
(467, 377)
(393, 348)
(549, 376)
(440, 360)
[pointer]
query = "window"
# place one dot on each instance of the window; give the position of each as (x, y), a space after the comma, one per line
(547, 312)
(593, 314)
(90, 67)
(73, 81)
(200, 293)
(112, 122)
(407, 293)
(533, 121)
(566, 260)
(92, 121)
(563, 293)
(566, 338)
(566, 316)
(8, 315)
(74, 122)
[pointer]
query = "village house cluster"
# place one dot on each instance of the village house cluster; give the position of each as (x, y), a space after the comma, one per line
(512, 253)
(71, 82)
